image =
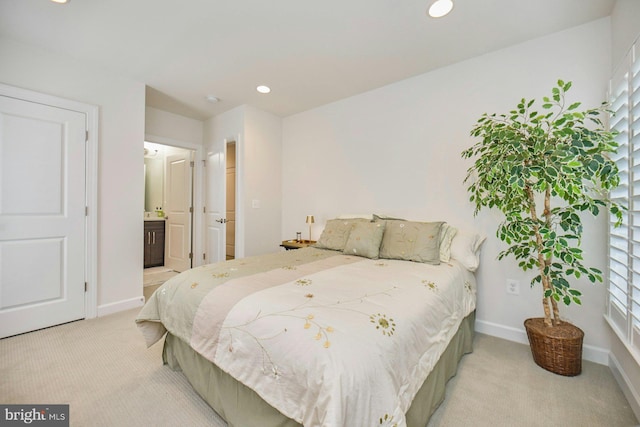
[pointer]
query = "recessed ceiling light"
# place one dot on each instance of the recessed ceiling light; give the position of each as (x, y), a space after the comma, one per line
(440, 8)
(212, 99)
(263, 89)
(60, 1)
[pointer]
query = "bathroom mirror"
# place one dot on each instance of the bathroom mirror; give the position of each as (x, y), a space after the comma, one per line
(153, 180)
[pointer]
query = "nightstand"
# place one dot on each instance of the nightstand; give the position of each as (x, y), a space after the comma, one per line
(296, 244)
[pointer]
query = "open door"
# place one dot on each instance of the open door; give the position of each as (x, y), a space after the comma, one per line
(215, 204)
(178, 209)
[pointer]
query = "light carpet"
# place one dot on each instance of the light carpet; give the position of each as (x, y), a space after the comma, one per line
(103, 370)
(157, 275)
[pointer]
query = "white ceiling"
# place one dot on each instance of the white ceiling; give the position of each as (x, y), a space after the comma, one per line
(309, 53)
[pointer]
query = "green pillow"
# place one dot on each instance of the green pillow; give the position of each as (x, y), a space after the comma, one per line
(336, 232)
(364, 239)
(412, 241)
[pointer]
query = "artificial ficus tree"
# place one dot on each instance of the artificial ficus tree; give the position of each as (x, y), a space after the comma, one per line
(543, 170)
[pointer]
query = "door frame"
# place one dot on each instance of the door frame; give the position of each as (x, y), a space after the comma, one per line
(91, 183)
(197, 191)
(239, 233)
(240, 215)
(226, 193)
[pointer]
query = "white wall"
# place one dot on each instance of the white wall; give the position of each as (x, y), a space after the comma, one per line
(120, 174)
(396, 150)
(169, 126)
(625, 28)
(262, 181)
(228, 125)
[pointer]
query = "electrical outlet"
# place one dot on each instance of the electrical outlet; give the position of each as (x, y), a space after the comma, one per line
(513, 287)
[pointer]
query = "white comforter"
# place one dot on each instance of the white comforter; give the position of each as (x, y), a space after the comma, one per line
(347, 346)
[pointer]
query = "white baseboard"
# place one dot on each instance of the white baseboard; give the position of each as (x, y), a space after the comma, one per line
(628, 388)
(589, 352)
(115, 307)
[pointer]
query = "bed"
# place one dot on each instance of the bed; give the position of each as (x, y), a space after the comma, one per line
(320, 336)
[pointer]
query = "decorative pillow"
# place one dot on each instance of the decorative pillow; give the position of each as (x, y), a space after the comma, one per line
(465, 248)
(412, 241)
(336, 232)
(364, 239)
(447, 234)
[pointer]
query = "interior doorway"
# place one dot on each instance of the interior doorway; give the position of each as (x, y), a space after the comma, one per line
(230, 195)
(168, 212)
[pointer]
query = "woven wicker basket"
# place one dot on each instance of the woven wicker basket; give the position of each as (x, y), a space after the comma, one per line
(557, 349)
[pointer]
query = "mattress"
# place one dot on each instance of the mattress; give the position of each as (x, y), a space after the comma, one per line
(324, 338)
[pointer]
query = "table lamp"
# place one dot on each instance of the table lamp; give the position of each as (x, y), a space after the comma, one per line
(310, 220)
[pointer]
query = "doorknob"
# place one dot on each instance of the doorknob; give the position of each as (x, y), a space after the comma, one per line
(221, 220)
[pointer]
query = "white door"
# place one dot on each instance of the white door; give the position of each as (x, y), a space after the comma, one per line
(215, 220)
(178, 183)
(42, 215)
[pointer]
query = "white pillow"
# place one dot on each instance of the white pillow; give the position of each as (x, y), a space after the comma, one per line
(447, 233)
(465, 248)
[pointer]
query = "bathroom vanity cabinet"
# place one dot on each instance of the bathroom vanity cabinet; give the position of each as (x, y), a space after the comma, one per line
(153, 243)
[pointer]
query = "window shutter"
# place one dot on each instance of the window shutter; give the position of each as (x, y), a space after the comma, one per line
(623, 310)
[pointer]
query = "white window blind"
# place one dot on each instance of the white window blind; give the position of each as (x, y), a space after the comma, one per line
(623, 308)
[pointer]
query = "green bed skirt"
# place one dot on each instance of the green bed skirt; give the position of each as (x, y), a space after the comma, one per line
(242, 407)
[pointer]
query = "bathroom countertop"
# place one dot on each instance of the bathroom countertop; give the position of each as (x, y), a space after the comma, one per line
(153, 217)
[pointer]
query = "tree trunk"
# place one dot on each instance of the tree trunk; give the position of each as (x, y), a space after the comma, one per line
(549, 260)
(556, 312)
(546, 301)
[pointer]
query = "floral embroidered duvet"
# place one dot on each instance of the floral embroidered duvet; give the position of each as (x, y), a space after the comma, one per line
(327, 339)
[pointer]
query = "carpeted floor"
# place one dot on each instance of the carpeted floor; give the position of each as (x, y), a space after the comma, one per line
(147, 291)
(154, 277)
(157, 275)
(103, 370)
